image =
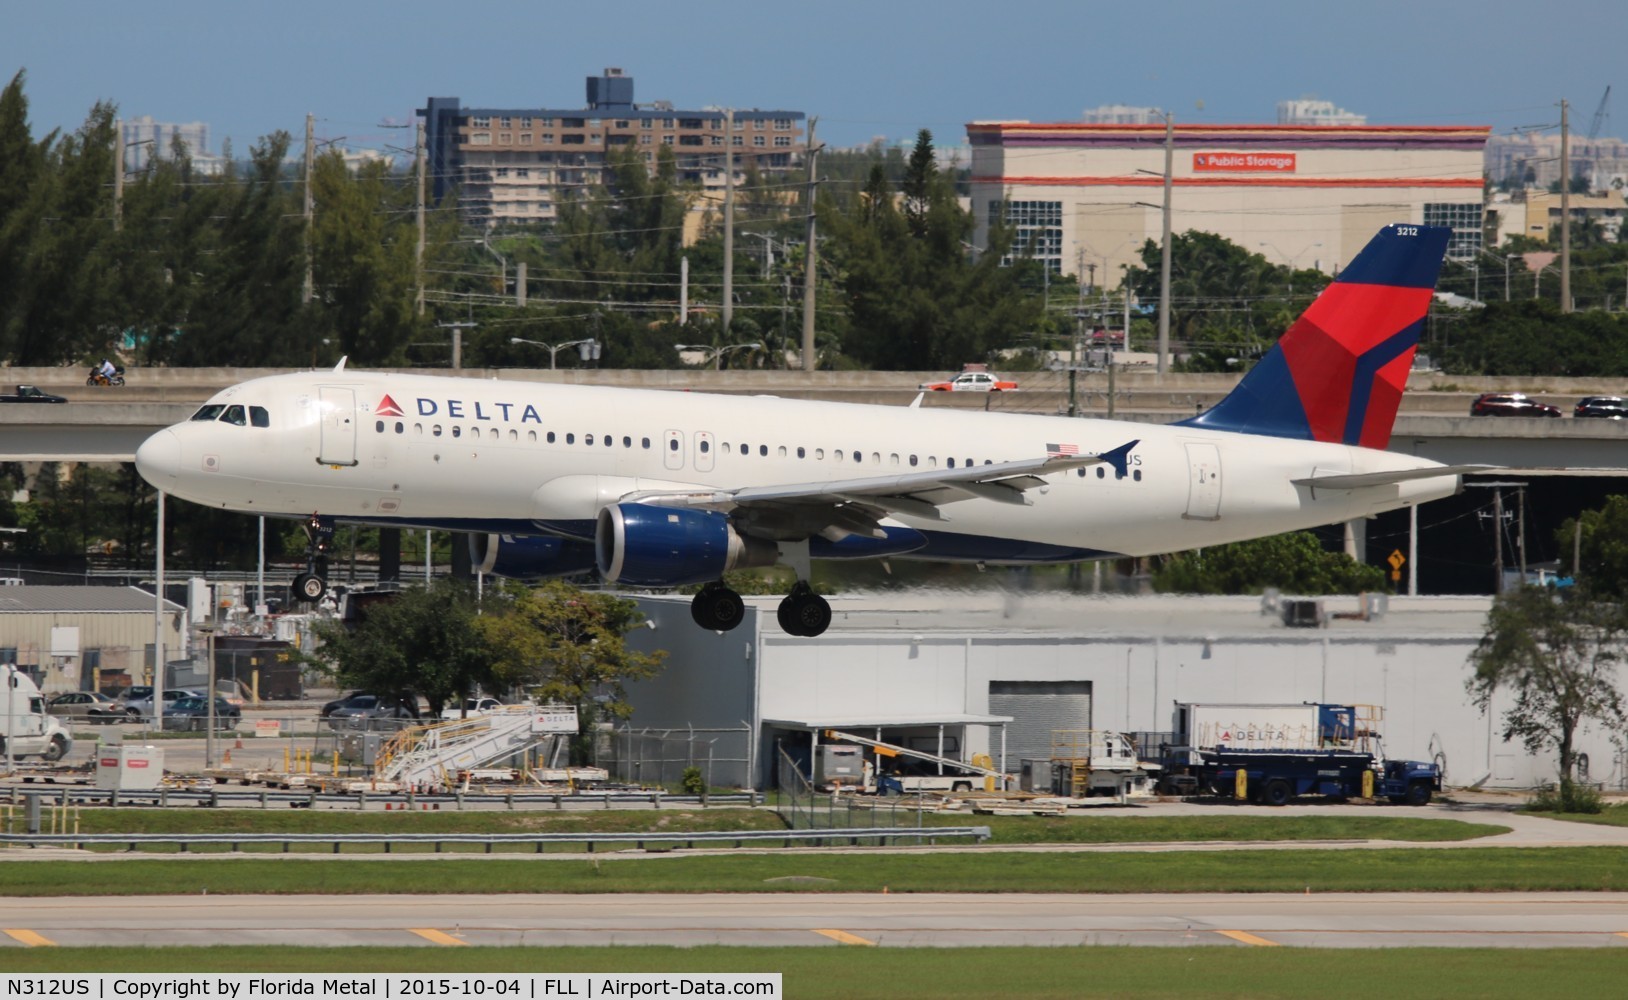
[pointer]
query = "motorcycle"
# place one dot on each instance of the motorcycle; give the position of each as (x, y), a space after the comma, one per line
(97, 378)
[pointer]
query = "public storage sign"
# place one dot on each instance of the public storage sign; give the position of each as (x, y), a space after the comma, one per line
(1271, 163)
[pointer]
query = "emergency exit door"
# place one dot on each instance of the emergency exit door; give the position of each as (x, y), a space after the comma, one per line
(1203, 482)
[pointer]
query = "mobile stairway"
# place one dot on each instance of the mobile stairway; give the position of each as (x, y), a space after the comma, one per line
(436, 754)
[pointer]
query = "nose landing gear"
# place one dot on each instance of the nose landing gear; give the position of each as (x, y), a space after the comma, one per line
(319, 536)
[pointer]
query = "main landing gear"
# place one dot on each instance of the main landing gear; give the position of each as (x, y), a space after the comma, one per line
(319, 536)
(802, 613)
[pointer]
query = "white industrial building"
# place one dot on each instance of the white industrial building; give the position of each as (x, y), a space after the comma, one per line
(969, 671)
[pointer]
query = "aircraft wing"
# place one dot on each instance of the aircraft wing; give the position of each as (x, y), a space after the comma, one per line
(916, 494)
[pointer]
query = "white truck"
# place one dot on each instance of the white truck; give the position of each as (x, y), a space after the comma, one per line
(26, 730)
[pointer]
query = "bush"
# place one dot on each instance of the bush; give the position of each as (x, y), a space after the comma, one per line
(1570, 797)
(694, 785)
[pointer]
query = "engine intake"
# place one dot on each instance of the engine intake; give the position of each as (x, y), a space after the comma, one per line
(651, 546)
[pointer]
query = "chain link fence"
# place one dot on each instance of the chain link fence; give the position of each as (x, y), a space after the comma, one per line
(805, 807)
(651, 756)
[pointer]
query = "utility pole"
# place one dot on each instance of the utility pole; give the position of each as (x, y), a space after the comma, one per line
(418, 256)
(118, 173)
(809, 255)
(1164, 255)
(684, 291)
(457, 342)
(310, 162)
(1498, 540)
(729, 218)
(1565, 208)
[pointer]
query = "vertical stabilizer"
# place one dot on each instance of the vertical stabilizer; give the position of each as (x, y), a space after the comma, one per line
(1337, 375)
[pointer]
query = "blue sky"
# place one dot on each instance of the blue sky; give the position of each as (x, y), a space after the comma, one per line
(866, 69)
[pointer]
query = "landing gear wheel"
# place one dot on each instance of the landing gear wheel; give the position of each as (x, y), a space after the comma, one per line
(804, 612)
(310, 587)
(718, 608)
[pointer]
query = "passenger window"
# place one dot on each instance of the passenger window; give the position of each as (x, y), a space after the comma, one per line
(235, 415)
(1101, 472)
(876, 458)
(570, 439)
(800, 452)
(531, 436)
(436, 430)
(586, 439)
(912, 461)
(418, 429)
(950, 463)
(763, 451)
(672, 445)
(210, 412)
(819, 454)
(893, 460)
(400, 427)
(746, 449)
(610, 440)
(378, 426)
(781, 452)
(859, 456)
(706, 445)
(836, 453)
(932, 461)
(645, 443)
(457, 431)
(550, 437)
(1137, 475)
(627, 442)
(514, 435)
(260, 418)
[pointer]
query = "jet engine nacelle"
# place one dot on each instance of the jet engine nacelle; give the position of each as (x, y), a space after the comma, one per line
(529, 557)
(651, 546)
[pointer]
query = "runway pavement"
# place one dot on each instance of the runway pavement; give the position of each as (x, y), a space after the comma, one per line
(1506, 920)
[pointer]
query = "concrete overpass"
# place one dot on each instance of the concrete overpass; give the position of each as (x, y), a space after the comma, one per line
(106, 425)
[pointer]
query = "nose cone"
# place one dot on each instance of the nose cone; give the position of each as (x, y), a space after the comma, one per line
(159, 459)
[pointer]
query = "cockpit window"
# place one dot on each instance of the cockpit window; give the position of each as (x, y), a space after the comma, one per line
(235, 415)
(259, 417)
(210, 412)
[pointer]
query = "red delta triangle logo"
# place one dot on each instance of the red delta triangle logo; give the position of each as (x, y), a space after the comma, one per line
(387, 408)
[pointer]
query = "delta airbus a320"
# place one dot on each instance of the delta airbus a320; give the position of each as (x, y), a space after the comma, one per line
(663, 489)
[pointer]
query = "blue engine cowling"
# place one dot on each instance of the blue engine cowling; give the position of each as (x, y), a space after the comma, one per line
(529, 557)
(650, 546)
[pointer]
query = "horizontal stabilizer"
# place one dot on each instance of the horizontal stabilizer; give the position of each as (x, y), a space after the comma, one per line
(1360, 480)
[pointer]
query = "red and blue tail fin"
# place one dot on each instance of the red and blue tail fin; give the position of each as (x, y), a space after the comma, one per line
(1338, 373)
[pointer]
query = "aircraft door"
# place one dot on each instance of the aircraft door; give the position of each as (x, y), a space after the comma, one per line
(1203, 482)
(705, 451)
(672, 450)
(338, 445)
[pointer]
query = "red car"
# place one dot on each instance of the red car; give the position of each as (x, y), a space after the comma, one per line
(1510, 404)
(970, 382)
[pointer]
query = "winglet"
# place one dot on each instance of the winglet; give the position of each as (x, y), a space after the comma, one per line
(341, 366)
(1119, 458)
(915, 404)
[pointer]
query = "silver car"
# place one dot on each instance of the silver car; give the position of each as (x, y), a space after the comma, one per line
(142, 708)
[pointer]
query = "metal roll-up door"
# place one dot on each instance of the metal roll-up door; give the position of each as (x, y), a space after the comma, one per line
(1038, 708)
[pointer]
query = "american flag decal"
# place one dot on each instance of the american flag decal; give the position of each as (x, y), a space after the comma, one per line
(1062, 449)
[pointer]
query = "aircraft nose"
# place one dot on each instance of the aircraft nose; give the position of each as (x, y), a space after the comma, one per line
(159, 459)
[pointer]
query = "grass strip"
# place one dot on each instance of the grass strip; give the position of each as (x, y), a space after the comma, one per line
(1085, 829)
(814, 973)
(1399, 869)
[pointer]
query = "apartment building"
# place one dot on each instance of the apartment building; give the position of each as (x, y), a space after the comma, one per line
(513, 165)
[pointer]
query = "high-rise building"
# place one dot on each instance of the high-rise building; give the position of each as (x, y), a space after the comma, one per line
(1310, 111)
(145, 139)
(513, 164)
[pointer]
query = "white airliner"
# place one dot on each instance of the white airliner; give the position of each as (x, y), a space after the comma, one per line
(664, 489)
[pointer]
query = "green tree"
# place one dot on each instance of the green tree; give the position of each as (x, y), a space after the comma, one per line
(1295, 563)
(916, 297)
(1556, 652)
(1600, 539)
(427, 641)
(363, 243)
(569, 645)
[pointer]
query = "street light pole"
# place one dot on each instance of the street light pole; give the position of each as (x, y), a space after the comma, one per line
(1164, 254)
(552, 349)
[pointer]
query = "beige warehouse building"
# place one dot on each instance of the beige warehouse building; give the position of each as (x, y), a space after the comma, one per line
(76, 638)
(1086, 197)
